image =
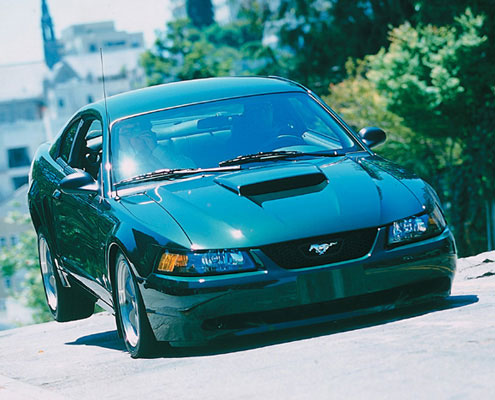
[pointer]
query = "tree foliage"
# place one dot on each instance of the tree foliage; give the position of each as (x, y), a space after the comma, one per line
(23, 258)
(321, 35)
(427, 74)
(185, 51)
(360, 104)
(440, 80)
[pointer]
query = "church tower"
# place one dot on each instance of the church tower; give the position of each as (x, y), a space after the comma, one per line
(50, 44)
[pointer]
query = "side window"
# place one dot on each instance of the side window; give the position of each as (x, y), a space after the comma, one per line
(67, 141)
(93, 141)
(87, 146)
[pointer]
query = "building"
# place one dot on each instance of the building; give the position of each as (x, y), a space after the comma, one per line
(89, 38)
(22, 130)
(76, 79)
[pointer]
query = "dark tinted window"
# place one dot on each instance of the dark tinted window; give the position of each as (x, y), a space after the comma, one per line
(19, 181)
(18, 157)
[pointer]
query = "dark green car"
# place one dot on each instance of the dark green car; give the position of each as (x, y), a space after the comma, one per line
(224, 206)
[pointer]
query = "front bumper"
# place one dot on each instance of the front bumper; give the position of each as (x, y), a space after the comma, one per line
(193, 310)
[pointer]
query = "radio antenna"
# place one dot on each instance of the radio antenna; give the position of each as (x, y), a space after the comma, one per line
(104, 90)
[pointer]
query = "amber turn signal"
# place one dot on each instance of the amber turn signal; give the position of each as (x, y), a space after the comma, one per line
(170, 261)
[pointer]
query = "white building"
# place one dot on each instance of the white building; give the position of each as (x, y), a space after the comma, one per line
(89, 38)
(76, 80)
(21, 125)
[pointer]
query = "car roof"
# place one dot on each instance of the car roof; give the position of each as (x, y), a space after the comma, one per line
(189, 92)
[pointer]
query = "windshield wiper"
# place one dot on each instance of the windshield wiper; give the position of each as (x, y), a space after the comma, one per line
(173, 173)
(278, 155)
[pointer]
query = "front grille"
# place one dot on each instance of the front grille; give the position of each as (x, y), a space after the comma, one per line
(322, 250)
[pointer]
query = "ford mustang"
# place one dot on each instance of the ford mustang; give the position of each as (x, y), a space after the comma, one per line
(229, 206)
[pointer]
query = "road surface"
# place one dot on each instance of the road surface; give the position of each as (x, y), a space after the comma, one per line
(434, 352)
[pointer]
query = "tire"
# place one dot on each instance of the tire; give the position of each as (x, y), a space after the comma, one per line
(132, 319)
(65, 303)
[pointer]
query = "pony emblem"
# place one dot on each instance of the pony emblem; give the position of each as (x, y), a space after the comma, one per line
(322, 248)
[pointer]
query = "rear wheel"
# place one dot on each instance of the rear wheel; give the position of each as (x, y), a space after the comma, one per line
(65, 303)
(135, 327)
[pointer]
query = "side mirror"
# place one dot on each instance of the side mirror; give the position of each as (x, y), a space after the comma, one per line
(372, 136)
(79, 182)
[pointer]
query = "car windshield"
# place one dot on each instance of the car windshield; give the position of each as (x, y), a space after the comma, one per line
(207, 134)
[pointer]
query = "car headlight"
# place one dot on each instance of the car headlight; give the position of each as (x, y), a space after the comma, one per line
(416, 228)
(205, 263)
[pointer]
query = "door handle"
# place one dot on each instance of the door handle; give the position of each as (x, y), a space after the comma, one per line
(56, 194)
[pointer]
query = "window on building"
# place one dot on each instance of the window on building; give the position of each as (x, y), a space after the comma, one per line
(115, 43)
(19, 181)
(18, 157)
(14, 239)
(61, 103)
(90, 98)
(3, 242)
(29, 114)
(8, 282)
(92, 48)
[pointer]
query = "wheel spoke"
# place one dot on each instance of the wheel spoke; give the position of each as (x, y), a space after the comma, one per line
(132, 317)
(129, 290)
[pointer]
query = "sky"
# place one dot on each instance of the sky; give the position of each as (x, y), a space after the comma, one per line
(20, 22)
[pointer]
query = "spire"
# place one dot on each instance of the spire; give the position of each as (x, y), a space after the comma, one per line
(50, 44)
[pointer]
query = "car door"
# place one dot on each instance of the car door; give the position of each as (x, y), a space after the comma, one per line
(80, 239)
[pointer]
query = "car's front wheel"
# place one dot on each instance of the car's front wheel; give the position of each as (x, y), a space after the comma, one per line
(65, 303)
(135, 327)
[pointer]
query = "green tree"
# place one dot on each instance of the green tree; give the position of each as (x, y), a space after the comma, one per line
(24, 257)
(321, 35)
(440, 80)
(185, 51)
(359, 102)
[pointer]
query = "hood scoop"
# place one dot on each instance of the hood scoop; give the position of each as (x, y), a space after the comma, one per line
(271, 180)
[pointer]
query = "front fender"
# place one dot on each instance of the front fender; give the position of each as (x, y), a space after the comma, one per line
(141, 242)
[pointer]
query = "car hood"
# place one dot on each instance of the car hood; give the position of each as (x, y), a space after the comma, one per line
(284, 201)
